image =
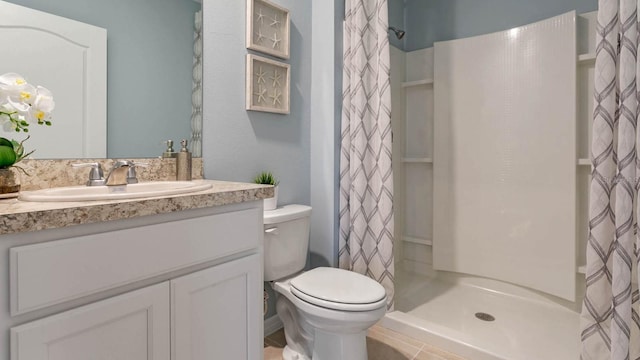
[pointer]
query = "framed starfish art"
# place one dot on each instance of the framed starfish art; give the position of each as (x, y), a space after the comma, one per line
(267, 85)
(268, 28)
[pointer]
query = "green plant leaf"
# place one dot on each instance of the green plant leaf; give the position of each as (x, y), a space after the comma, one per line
(7, 156)
(6, 142)
(19, 149)
(266, 178)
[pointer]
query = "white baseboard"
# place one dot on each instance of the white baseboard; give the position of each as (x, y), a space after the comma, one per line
(272, 325)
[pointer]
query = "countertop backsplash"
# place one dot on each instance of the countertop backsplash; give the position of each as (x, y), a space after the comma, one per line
(54, 173)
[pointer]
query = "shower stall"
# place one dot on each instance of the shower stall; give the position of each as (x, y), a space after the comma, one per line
(491, 169)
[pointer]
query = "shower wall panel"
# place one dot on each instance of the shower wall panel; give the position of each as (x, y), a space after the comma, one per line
(416, 162)
(398, 70)
(505, 156)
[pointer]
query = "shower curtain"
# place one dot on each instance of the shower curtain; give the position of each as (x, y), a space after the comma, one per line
(366, 181)
(610, 321)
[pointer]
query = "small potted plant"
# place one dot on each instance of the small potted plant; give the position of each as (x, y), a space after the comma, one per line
(267, 178)
(11, 152)
(21, 104)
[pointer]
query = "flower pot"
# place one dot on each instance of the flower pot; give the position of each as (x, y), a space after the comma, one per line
(272, 203)
(9, 183)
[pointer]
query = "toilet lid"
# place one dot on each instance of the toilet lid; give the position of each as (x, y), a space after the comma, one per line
(338, 289)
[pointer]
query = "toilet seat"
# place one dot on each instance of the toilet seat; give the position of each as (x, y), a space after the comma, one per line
(338, 289)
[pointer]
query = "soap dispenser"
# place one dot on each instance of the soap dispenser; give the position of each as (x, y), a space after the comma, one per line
(169, 153)
(183, 163)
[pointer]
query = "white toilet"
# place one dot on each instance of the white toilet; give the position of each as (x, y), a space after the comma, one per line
(325, 311)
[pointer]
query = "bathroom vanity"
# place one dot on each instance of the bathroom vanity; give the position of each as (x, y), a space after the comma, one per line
(176, 277)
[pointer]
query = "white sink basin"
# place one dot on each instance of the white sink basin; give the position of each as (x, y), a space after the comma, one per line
(131, 191)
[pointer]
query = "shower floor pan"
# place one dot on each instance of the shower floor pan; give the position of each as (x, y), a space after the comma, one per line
(525, 325)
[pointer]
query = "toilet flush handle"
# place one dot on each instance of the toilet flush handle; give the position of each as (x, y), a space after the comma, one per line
(272, 231)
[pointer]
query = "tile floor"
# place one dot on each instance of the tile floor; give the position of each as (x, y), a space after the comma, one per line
(382, 344)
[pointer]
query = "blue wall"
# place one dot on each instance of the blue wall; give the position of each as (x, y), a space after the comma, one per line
(427, 21)
(149, 61)
(396, 19)
(238, 144)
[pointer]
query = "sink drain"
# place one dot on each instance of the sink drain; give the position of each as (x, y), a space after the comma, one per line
(484, 316)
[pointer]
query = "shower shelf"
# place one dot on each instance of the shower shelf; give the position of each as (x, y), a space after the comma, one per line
(586, 58)
(425, 160)
(417, 240)
(584, 162)
(407, 84)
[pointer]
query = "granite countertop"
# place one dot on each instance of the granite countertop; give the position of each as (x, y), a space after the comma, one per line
(20, 216)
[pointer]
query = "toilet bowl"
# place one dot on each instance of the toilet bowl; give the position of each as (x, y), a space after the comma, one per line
(325, 311)
(334, 330)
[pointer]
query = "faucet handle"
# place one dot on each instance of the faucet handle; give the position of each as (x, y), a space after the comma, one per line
(132, 177)
(96, 175)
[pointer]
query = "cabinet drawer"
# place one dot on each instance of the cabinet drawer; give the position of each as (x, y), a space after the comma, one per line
(50, 273)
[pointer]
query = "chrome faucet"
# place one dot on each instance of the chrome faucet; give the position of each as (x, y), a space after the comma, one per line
(123, 172)
(118, 173)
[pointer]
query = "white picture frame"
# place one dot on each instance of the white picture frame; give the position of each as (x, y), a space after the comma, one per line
(267, 85)
(268, 28)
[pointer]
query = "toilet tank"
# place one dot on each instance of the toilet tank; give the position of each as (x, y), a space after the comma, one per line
(286, 241)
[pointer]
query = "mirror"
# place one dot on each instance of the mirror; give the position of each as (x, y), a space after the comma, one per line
(149, 70)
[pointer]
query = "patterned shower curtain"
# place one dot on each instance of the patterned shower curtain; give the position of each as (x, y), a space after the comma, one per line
(366, 180)
(610, 321)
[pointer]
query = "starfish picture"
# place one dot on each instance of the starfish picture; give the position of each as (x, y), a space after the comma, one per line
(260, 94)
(274, 20)
(260, 36)
(260, 18)
(276, 97)
(260, 75)
(276, 41)
(275, 78)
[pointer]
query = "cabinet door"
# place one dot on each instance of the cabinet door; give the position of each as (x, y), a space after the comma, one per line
(132, 326)
(217, 313)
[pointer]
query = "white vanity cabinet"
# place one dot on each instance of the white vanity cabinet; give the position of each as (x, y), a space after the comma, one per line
(213, 312)
(132, 326)
(185, 285)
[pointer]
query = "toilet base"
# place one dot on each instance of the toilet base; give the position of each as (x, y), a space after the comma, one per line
(329, 346)
(332, 346)
(290, 354)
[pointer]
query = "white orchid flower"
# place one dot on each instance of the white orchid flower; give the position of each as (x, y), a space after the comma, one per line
(44, 99)
(27, 94)
(22, 103)
(42, 106)
(7, 108)
(12, 84)
(12, 79)
(17, 91)
(22, 97)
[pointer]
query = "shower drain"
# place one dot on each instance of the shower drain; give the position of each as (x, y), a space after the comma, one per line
(484, 316)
